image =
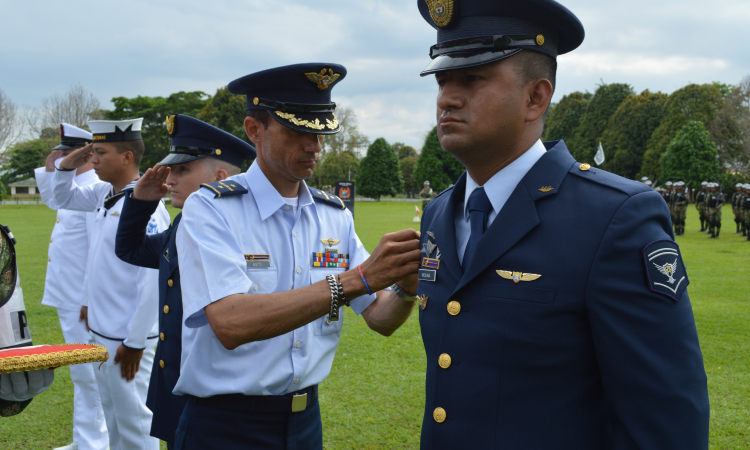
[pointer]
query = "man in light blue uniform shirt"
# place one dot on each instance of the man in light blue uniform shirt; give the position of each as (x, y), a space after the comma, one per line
(265, 266)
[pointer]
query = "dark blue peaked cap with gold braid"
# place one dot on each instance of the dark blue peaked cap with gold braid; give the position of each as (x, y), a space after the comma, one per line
(472, 33)
(194, 139)
(296, 96)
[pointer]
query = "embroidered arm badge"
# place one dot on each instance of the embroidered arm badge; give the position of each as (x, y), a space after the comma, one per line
(665, 270)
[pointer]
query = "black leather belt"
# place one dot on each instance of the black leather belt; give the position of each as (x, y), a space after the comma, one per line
(293, 402)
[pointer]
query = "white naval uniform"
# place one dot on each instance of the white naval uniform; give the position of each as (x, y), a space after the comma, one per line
(63, 289)
(214, 236)
(122, 304)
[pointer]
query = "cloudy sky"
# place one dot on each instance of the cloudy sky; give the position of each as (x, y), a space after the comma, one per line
(129, 48)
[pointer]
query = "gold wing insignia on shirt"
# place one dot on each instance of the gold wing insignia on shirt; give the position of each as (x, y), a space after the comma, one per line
(330, 241)
(517, 276)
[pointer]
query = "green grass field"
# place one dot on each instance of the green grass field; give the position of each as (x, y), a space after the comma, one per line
(374, 396)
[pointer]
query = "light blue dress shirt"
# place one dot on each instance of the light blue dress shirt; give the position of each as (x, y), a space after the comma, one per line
(498, 189)
(213, 238)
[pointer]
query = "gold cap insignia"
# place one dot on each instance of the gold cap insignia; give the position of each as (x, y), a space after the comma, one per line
(517, 276)
(539, 39)
(546, 188)
(170, 124)
(256, 100)
(323, 80)
(584, 167)
(218, 152)
(330, 241)
(441, 11)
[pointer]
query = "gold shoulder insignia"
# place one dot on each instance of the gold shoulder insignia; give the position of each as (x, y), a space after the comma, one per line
(546, 188)
(441, 11)
(323, 80)
(517, 276)
(330, 241)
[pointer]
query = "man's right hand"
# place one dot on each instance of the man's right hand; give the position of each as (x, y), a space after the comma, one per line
(77, 158)
(396, 257)
(150, 186)
(84, 316)
(49, 163)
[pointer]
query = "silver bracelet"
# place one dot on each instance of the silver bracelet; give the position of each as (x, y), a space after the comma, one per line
(333, 316)
(402, 294)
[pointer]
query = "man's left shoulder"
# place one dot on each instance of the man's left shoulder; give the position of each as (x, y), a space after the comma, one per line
(225, 188)
(327, 199)
(607, 181)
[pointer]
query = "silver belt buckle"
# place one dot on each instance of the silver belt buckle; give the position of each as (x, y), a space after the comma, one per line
(299, 403)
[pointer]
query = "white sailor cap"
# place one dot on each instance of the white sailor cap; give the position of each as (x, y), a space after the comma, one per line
(644, 178)
(739, 185)
(668, 183)
(116, 130)
(72, 137)
(648, 182)
(747, 186)
(704, 183)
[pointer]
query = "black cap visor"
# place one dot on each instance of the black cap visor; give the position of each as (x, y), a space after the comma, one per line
(179, 158)
(463, 61)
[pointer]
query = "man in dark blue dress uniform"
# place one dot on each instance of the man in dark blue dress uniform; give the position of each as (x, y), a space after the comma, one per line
(553, 301)
(200, 153)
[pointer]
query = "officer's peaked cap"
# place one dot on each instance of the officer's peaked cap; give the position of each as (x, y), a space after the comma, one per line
(476, 32)
(297, 96)
(72, 137)
(194, 139)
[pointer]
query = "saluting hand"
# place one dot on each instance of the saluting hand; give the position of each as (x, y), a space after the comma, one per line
(130, 361)
(49, 163)
(77, 158)
(151, 186)
(397, 257)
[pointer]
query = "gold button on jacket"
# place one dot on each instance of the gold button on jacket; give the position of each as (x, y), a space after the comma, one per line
(439, 415)
(170, 282)
(454, 308)
(166, 309)
(161, 336)
(161, 363)
(444, 360)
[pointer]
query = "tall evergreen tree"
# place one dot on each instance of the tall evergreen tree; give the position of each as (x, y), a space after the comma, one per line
(379, 172)
(629, 130)
(599, 110)
(691, 156)
(693, 102)
(563, 117)
(435, 165)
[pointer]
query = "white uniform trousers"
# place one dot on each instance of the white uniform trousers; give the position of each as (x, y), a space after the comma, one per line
(89, 427)
(128, 418)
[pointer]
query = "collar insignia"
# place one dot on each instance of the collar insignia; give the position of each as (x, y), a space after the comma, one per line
(330, 241)
(546, 188)
(115, 214)
(323, 80)
(517, 276)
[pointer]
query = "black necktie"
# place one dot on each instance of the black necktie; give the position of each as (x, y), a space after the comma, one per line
(479, 211)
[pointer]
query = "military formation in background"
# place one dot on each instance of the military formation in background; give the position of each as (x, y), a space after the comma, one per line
(708, 202)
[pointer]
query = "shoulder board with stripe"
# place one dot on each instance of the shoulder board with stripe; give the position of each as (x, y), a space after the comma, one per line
(225, 188)
(328, 199)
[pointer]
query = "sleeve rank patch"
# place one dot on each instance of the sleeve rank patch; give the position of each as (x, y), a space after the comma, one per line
(665, 269)
(225, 188)
(328, 199)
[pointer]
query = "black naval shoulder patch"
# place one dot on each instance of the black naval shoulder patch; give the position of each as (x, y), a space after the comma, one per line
(665, 269)
(328, 199)
(226, 188)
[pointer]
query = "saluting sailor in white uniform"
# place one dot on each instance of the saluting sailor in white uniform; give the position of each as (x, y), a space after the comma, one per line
(266, 263)
(120, 300)
(63, 287)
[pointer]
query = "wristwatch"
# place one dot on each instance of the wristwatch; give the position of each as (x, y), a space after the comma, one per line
(402, 293)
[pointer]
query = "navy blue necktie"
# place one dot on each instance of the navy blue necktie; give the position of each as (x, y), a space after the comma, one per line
(479, 207)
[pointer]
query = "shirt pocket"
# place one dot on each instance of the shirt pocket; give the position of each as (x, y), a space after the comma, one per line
(322, 326)
(264, 281)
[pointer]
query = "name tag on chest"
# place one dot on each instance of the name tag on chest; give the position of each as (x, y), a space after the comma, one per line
(427, 275)
(260, 261)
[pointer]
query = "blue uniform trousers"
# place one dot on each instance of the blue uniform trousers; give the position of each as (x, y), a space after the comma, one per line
(207, 427)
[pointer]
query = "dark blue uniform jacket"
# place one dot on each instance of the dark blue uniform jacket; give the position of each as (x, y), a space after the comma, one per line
(587, 356)
(158, 251)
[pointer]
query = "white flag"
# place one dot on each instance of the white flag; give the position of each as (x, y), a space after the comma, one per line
(599, 158)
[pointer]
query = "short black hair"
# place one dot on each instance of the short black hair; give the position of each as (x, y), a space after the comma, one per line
(533, 65)
(135, 147)
(261, 115)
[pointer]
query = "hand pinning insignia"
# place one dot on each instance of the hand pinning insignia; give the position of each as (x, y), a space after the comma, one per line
(517, 276)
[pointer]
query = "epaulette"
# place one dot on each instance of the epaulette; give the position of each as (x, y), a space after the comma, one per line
(225, 188)
(328, 199)
(448, 189)
(608, 179)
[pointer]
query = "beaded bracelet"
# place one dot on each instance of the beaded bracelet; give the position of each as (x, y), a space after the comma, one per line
(333, 316)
